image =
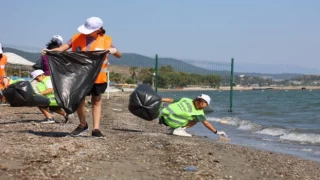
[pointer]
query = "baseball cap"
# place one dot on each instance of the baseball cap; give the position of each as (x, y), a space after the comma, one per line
(205, 97)
(92, 24)
(1, 49)
(36, 73)
(58, 38)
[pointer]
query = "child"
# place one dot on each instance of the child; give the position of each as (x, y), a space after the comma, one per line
(185, 113)
(44, 86)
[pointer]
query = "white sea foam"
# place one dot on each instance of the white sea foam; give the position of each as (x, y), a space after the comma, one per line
(309, 138)
(272, 131)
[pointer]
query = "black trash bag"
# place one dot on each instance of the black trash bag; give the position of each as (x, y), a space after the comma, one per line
(73, 75)
(145, 103)
(38, 64)
(22, 94)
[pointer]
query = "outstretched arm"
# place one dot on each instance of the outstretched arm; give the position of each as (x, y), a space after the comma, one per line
(209, 126)
(213, 129)
(62, 48)
(117, 54)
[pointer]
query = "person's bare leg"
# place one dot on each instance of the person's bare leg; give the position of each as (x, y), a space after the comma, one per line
(96, 111)
(45, 112)
(191, 123)
(61, 112)
(82, 113)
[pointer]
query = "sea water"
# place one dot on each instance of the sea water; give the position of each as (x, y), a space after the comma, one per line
(285, 121)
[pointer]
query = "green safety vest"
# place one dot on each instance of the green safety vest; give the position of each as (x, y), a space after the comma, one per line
(41, 86)
(16, 80)
(180, 113)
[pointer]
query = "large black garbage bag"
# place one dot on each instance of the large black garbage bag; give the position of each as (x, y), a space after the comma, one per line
(21, 94)
(73, 75)
(145, 103)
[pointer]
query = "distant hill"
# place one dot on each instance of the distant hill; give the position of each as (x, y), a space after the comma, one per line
(33, 57)
(204, 67)
(137, 60)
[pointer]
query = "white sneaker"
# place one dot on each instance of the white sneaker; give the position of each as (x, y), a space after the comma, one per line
(48, 121)
(181, 132)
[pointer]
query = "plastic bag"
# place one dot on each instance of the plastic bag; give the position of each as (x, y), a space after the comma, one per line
(21, 94)
(145, 103)
(73, 75)
(38, 64)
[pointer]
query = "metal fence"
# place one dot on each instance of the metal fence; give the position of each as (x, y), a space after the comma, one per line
(170, 77)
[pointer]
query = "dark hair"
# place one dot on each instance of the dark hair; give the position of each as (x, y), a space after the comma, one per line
(53, 44)
(102, 31)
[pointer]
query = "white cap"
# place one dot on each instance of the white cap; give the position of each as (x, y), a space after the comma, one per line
(36, 73)
(92, 24)
(58, 38)
(1, 49)
(205, 97)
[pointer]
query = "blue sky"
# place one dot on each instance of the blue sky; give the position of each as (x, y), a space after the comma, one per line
(251, 31)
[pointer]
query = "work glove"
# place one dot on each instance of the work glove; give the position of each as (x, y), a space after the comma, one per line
(221, 133)
(112, 50)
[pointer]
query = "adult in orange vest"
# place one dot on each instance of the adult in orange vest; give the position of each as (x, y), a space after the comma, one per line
(3, 62)
(91, 37)
(3, 76)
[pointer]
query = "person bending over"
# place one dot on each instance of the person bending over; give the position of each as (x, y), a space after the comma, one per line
(185, 113)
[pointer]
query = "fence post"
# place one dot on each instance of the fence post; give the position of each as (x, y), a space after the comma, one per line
(108, 86)
(156, 74)
(231, 84)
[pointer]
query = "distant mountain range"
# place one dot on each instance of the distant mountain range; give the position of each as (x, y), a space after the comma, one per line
(198, 67)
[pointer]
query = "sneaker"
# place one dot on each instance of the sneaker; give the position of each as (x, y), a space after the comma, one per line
(97, 133)
(48, 121)
(79, 130)
(181, 132)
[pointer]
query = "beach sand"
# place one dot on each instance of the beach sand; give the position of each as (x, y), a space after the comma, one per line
(132, 149)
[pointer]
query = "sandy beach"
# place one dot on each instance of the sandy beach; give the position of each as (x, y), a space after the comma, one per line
(132, 149)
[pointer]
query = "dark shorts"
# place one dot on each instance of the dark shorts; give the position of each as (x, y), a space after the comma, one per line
(162, 121)
(54, 108)
(98, 89)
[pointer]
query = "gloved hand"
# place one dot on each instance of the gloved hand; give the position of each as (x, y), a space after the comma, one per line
(44, 51)
(221, 133)
(112, 50)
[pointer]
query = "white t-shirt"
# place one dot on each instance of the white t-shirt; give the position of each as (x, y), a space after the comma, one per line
(49, 84)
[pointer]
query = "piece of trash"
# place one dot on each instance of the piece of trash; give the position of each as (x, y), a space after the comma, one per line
(116, 109)
(224, 121)
(224, 139)
(190, 168)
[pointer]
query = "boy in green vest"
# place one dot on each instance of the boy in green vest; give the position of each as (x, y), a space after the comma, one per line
(45, 88)
(185, 113)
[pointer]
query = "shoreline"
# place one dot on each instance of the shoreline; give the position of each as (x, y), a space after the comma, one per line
(247, 88)
(133, 149)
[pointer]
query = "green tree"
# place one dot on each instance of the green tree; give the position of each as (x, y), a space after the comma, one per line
(133, 73)
(116, 77)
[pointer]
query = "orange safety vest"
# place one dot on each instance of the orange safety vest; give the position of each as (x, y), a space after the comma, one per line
(3, 62)
(101, 43)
